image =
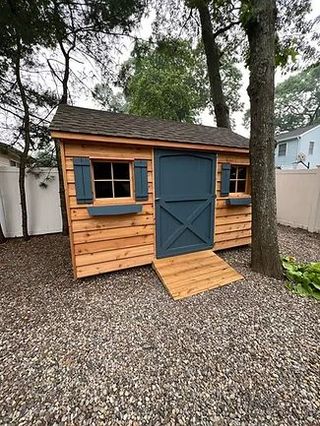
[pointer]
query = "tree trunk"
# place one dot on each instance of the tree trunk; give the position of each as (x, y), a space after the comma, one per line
(3, 238)
(211, 48)
(27, 141)
(66, 74)
(63, 207)
(22, 174)
(63, 100)
(261, 35)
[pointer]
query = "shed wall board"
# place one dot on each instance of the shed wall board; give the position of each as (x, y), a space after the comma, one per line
(108, 243)
(103, 244)
(232, 223)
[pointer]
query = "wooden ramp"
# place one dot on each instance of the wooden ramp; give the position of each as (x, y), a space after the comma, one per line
(193, 273)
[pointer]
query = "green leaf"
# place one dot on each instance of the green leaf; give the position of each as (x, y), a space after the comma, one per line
(316, 295)
(304, 279)
(301, 290)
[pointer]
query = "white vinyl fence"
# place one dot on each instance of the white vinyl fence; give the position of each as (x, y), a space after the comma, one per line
(43, 204)
(298, 198)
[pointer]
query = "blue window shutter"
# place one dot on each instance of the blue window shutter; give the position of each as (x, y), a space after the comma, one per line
(82, 175)
(225, 179)
(141, 180)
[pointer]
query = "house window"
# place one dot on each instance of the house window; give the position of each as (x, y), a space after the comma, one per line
(238, 178)
(111, 179)
(282, 150)
(311, 147)
(14, 163)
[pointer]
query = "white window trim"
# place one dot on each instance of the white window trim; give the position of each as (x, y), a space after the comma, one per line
(236, 180)
(286, 145)
(311, 153)
(112, 180)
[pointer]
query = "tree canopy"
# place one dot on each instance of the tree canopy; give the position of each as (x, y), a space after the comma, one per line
(168, 79)
(38, 37)
(165, 81)
(297, 102)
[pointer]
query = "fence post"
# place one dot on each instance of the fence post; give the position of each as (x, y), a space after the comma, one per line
(314, 217)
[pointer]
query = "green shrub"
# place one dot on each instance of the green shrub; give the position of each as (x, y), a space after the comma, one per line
(304, 278)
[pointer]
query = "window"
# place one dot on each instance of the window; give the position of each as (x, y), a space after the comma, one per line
(311, 147)
(14, 163)
(238, 179)
(282, 150)
(111, 180)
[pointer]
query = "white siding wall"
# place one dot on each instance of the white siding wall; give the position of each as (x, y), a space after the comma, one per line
(43, 204)
(287, 161)
(313, 135)
(297, 145)
(4, 160)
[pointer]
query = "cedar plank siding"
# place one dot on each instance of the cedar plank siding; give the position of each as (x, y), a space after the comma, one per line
(232, 225)
(110, 243)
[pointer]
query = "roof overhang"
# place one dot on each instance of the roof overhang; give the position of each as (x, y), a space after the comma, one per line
(297, 136)
(287, 139)
(84, 137)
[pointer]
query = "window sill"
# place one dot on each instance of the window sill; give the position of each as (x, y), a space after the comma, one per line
(239, 201)
(239, 195)
(113, 201)
(114, 210)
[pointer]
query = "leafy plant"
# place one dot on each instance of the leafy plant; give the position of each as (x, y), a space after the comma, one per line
(304, 278)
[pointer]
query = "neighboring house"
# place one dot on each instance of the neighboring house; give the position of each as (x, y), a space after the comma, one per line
(292, 146)
(9, 156)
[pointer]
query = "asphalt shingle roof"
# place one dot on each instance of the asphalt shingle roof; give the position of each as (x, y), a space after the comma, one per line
(89, 121)
(295, 133)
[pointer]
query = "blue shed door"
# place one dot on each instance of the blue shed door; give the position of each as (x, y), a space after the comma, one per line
(185, 194)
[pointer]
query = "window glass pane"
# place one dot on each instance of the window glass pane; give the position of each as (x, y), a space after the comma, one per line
(282, 149)
(233, 172)
(311, 145)
(102, 170)
(121, 171)
(232, 186)
(241, 186)
(121, 189)
(242, 172)
(103, 189)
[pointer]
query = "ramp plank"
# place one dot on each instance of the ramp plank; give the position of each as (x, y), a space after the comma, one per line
(193, 273)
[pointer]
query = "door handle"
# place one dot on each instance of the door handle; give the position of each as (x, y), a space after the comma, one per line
(157, 199)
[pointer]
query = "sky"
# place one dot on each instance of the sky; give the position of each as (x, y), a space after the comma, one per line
(144, 31)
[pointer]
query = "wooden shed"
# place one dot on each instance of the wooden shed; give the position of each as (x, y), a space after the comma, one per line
(143, 190)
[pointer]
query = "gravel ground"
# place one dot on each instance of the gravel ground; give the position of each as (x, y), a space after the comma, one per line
(116, 350)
